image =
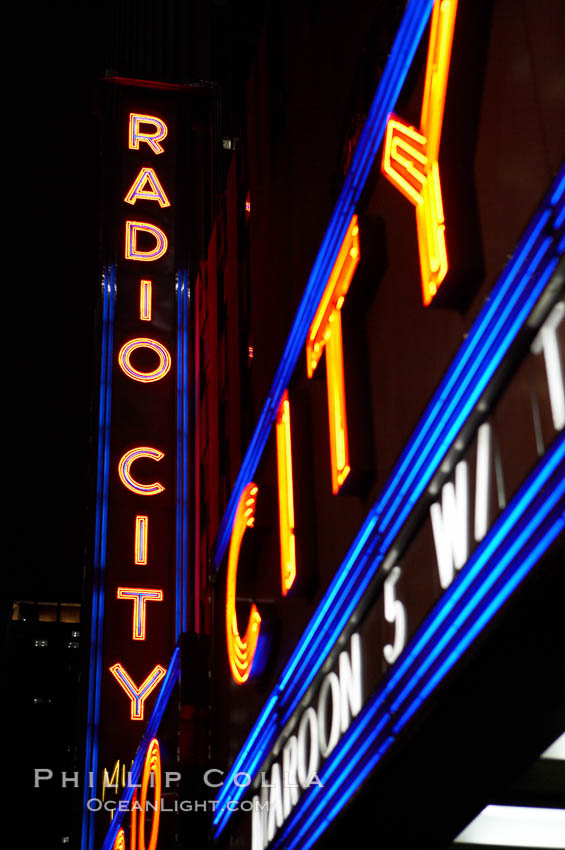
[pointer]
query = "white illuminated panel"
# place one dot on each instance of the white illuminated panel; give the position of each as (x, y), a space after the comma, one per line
(516, 826)
(556, 751)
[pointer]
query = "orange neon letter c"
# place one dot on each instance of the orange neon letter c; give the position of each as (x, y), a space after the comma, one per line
(241, 651)
(124, 471)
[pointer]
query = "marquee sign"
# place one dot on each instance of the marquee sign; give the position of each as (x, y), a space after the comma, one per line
(140, 569)
(457, 528)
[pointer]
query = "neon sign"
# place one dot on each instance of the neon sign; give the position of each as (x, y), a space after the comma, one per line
(139, 594)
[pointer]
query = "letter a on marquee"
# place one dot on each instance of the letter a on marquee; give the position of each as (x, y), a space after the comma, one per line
(410, 156)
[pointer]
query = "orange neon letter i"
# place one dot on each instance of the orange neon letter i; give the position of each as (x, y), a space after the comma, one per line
(141, 535)
(145, 296)
(325, 333)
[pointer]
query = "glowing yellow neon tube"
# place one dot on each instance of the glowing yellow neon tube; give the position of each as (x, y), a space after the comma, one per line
(286, 495)
(325, 332)
(145, 298)
(241, 651)
(410, 157)
(141, 535)
(155, 192)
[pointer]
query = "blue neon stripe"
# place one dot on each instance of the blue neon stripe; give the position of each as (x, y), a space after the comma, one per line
(169, 681)
(351, 557)
(354, 783)
(498, 534)
(178, 538)
(481, 621)
(329, 769)
(101, 523)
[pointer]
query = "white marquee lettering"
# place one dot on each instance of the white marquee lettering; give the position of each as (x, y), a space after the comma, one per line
(450, 524)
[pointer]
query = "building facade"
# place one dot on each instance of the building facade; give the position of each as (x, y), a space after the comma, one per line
(371, 501)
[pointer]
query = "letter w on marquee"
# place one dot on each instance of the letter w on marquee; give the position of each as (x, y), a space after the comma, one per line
(410, 156)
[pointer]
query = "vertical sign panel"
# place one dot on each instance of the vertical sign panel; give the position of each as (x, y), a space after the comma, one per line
(139, 577)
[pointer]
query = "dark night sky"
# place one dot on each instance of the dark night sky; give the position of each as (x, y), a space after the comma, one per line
(53, 287)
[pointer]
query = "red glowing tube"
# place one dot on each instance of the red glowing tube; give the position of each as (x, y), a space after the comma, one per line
(124, 471)
(241, 651)
(137, 695)
(124, 359)
(133, 228)
(140, 596)
(141, 535)
(147, 176)
(286, 495)
(137, 135)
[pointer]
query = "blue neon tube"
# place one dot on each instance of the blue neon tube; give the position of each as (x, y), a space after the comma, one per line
(100, 534)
